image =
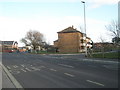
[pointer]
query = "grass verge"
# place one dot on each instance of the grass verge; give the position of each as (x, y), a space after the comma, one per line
(110, 55)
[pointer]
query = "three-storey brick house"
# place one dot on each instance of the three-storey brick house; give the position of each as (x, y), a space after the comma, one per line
(70, 40)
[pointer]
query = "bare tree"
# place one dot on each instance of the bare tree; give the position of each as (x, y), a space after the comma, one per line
(114, 29)
(33, 38)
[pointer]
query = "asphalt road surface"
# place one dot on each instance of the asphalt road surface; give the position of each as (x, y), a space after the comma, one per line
(61, 71)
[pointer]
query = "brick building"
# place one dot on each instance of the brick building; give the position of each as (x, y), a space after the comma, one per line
(70, 40)
(8, 46)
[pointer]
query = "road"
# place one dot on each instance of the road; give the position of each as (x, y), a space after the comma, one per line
(61, 71)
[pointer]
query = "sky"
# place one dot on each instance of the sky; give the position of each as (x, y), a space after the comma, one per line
(17, 17)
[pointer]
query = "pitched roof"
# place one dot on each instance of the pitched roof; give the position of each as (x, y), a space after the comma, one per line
(9, 42)
(69, 30)
(56, 41)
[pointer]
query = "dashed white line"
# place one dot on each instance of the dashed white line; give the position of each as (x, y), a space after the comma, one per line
(15, 66)
(28, 69)
(95, 83)
(53, 70)
(10, 71)
(69, 75)
(23, 70)
(18, 72)
(66, 65)
(23, 65)
(42, 67)
(34, 68)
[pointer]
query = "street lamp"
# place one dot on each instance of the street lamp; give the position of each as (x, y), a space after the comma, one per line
(85, 29)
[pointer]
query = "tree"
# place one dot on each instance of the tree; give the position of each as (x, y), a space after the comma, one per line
(116, 40)
(115, 30)
(33, 38)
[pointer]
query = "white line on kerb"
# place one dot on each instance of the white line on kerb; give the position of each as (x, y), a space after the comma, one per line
(53, 69)
(95, 83)
(66, 65)
(69, 74)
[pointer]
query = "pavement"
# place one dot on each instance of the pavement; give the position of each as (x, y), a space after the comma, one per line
(5, 80)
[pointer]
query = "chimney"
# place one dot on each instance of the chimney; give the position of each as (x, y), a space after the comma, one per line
(72, 26)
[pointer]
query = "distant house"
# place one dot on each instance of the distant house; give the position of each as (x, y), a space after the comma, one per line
(22, 49)
(101, 44)
(98, 46)
(71, 40)
(9, 46)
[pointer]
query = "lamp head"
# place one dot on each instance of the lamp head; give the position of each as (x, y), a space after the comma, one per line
(83, 1)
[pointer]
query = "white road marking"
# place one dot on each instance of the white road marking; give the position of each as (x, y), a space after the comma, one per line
(66, 65)
(102, 61)
(42, 67)
(15, 66)
(18, 72)
(23, 70)
(34, 68)
(95, 83)
(23, 65)
(69, 74)
(8, 67)
(53, 70)
(28, 69)
(10, 71)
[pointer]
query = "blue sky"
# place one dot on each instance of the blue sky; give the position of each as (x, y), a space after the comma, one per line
(25, 9)
(50, 16)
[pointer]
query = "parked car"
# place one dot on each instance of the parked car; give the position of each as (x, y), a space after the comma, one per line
(10, 51)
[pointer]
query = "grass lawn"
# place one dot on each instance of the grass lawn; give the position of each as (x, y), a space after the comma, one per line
(45, 52)
(111, 55)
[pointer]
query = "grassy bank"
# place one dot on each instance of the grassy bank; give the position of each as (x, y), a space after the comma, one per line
(110, 55)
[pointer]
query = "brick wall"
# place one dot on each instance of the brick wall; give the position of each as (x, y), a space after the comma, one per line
(69, 42)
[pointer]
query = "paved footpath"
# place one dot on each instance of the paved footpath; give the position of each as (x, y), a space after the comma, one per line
(5, 82)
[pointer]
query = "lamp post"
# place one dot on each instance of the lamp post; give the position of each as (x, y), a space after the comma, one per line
(85, 28)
